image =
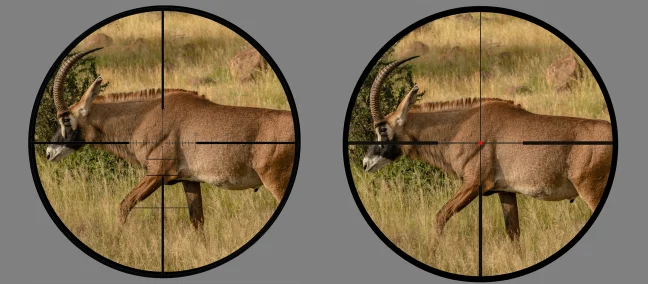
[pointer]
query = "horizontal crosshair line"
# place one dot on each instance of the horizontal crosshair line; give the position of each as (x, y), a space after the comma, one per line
(152, 142)
(458, 142)
(567, 142)
(395, 142)
(502, 142)
(242, 142)
(158, 207)
(531, 142)
(80, 142)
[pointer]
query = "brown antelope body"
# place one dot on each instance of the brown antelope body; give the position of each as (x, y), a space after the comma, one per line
(549, 172)
(158, 140)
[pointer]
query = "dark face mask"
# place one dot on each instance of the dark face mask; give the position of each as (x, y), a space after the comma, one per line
(378, 156)
(59, 147)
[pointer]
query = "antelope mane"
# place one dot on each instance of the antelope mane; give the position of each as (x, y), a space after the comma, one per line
(142, 95)
(462, 103)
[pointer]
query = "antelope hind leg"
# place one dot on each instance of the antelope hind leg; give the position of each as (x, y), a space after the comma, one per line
(276, 181)
(589, 168)
(275, 185)
(590, 191)
(143, 189)
(194, 202)
(275, 167)
(510, 210)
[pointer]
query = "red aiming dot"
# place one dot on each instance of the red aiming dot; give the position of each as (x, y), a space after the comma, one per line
(480, 143)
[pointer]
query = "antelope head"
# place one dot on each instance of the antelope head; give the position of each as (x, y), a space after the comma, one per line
(389, 127)
(70, 118)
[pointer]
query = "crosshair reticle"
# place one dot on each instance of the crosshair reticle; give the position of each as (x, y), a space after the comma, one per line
(164, 141)
(480, 144)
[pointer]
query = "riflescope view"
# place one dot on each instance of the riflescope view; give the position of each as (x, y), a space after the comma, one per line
(479, 144)
(164, 142)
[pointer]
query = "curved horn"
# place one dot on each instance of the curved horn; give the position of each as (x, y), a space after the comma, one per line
(374, 102)
(59, 102)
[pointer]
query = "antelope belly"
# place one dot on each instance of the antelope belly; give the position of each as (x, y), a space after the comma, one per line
(564, 190)
(248, 180)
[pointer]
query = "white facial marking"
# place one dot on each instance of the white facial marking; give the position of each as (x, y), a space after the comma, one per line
(374, 163)
(54, 153)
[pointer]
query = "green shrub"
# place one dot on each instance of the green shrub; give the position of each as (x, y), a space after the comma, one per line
(77, 81)
(393, 91)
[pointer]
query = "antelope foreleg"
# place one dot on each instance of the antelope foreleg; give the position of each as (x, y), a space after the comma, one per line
(462, 197)
(510, 210)
(143, 189)
(194, 201)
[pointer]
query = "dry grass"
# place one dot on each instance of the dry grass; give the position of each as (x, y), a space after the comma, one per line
(88, 205)
(405, 211)
(200, 48)
(195, 48)
(529, 50)
(88, 202)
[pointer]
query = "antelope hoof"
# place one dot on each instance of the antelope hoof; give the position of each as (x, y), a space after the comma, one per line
(122, 218)
(440, 224)
(123, 214)
(439, 231)
(514, 238)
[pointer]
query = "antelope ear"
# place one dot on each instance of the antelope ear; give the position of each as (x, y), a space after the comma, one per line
(405, 105)
(89, 96)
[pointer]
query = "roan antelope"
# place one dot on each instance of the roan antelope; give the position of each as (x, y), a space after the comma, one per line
(137, 116)
(554, 172)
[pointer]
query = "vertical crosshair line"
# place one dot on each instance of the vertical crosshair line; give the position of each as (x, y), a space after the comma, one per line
(480, 146)
(162, 145)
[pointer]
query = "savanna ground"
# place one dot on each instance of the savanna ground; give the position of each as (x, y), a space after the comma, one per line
(515, 53)
(197, 55)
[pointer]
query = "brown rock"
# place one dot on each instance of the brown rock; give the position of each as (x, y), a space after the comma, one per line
(97, 40)
(415, 48)
(563, 73)
(245, 65)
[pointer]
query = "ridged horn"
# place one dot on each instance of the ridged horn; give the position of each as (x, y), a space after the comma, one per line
(374, 102)
(59, 102)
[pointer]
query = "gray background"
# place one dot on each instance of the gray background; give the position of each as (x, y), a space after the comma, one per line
(322, 48)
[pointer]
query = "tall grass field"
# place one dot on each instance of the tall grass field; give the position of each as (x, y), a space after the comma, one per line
(87, 197)
(514, 54)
